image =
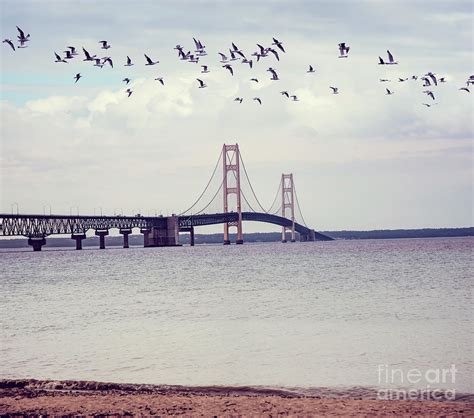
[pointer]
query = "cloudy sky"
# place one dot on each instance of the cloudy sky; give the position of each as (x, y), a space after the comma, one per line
(361, 159)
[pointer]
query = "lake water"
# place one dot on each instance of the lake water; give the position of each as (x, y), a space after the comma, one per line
(301, 314)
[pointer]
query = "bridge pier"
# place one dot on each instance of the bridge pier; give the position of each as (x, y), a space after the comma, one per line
(312, 235)
(191, 236)
(78, 238)
(125, 233)
(166, 235)
(146, 236)
(102, 233)
(36, 242)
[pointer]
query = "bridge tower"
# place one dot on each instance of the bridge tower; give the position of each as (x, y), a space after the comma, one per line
(231, 165)
(288, 202)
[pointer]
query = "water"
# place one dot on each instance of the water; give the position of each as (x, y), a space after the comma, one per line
(303, 314)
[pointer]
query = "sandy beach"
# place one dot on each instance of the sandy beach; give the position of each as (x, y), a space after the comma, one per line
(92, 398)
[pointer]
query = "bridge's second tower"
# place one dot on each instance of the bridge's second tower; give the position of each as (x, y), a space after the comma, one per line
(288, 202)
(231, 166)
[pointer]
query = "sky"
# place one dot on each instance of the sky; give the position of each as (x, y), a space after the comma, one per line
(361, 159)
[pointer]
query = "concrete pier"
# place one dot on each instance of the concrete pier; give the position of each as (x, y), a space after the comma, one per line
(146, 236)
(165, 235)
(78, 238)
(125, 233)
(36, 242)
(191, 236)
(102, 233)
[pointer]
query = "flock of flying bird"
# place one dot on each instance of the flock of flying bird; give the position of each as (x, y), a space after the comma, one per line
(235, 54)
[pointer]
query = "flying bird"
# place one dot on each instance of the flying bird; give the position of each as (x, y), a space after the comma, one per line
(343, 50)
(401, 80)
(105, 45)
(232, 55)
(274, 74)
(274, 53)
(294, 98)
(201, 83)
(59, 59)
(9, 42)
(109, 60)
(224, 58)
(384, 80)
(238, 99)
(149, 60)
(98, 63)
(129, 62)
(442, 80)
(89, 57)
(73, 50)
(311, 69)
(257, 99)
(278, 44)
(390, 58)
(429, 93)
(389, 92)
(254, 79)
(335, 90)
(228, 67)
(77, 77)
(22, 38)
(129, 92)
(204, 69)
(428, 105)
(69, 55)
(126, 80)
(433, 78)
(246, 61)
(465, 89)
(160, 79)
(285, 93)
(426, 81)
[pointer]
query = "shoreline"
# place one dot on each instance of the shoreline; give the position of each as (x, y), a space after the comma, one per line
(90, 397)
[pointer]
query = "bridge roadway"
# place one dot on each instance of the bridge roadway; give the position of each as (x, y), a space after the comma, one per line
(157, 230)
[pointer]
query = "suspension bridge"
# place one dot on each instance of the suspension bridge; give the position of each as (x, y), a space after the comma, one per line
(163, 231)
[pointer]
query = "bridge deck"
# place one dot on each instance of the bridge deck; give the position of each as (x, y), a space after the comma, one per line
(44, 225)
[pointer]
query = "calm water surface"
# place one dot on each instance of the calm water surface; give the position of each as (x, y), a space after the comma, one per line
(303, 314)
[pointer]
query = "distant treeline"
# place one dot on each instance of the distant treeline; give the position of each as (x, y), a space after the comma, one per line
(255, 237)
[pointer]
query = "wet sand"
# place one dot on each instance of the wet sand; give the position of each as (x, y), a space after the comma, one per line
(90, 398)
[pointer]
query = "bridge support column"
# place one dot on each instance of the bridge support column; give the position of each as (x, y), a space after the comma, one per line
(36, 242)
(102, 233)
(146, 236)
(78, 238)
(303, 237)
(125, 233)
(191, 236)
(166, 235)
(312, 235)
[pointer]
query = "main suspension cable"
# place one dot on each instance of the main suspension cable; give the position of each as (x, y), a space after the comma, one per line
(207, 186)
(212, 200)
(250, 184)
(298, 205)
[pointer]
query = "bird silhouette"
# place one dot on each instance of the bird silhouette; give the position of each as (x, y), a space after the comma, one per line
(149, 61)
(59, 59)
(9, 42)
